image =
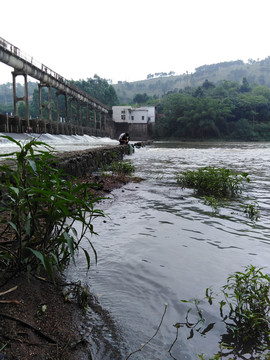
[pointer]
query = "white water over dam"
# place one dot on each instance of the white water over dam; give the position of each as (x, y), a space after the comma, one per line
(60, 143)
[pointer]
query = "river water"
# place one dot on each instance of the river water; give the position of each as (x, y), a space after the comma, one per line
(159, 244)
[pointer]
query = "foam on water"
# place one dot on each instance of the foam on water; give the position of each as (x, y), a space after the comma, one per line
(58, 142)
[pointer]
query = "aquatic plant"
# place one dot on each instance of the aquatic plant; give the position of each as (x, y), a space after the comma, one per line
(244, 309)
(40, 210)
(211, 181)
(120, 168)
(247, 321)
(252, 211)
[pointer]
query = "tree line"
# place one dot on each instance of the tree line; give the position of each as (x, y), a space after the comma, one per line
(225, 111)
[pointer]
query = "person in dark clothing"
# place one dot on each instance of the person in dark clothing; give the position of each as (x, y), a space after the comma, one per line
(124, 138)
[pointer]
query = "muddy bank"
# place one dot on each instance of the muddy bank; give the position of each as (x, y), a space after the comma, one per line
(36, 320)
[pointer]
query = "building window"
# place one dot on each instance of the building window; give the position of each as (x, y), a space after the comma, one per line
(142, 117)
(123, 117)
(132, 117)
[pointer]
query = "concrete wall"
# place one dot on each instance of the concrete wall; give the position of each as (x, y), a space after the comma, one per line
(78, 163)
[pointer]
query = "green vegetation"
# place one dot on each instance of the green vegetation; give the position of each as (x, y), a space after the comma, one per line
(43, 216)
(100, 89)
(120, 168)
(244, 308)
(247, 319)
(252, 211)
(228, 110)
(158, 85)
(214, 182)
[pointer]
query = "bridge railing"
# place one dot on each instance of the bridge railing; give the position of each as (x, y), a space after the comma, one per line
(22, 55)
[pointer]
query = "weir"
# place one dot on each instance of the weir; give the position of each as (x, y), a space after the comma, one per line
(82, 162)
(98, 116)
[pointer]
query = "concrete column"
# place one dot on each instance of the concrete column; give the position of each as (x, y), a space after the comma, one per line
(95, 120)
(100, 120)
(87, 115)
(59, 111)
(70, 110)
(17, 99)
(41, 105)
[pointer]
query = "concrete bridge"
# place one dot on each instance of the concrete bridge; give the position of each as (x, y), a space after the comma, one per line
(82, 113)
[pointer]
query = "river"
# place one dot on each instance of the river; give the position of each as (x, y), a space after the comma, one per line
(160, 244)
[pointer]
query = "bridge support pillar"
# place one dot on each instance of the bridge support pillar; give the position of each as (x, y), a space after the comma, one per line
(61, 111)
(95, 121)
(17, 99)
(47, 106)
(99, 121)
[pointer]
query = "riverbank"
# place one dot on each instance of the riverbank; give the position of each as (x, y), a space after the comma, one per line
(36, 320)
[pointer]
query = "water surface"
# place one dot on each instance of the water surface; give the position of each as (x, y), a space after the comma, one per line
(160, 244)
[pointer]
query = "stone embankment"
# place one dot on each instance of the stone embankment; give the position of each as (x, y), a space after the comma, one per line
(79, 163)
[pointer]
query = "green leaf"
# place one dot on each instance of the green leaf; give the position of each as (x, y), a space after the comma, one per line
(208, 328)
(40, 256)
(13, 226)
(70, 243)
(16, 190)
(32, 163)
(87, 258)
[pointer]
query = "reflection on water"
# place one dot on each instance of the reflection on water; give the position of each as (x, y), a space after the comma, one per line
(160, 243)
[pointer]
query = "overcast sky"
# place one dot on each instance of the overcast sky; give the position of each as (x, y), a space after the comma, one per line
(125, 40)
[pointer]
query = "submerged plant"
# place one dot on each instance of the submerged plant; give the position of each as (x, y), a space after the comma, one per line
(212, 201)
(252, 211)
(43, 216)
(247, 322)
(120, 168)
(211, 181)
(245, 311)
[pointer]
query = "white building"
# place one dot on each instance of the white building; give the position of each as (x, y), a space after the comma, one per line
(138, 122)
(130, 115)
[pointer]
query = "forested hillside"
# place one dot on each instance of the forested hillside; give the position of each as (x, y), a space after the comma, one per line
(254, 71)
(227, 111)
(225, 101)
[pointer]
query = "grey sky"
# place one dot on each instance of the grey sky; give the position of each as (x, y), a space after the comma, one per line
(128, 39)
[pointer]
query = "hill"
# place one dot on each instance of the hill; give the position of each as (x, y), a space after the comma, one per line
(255, 72)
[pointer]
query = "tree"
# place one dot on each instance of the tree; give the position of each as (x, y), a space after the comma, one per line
(140, 98)
(245, 87)
(100, 89)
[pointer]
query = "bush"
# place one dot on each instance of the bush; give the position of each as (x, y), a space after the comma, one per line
(41, 211)
(212, 181)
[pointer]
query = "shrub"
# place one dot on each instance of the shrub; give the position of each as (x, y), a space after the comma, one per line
(212, 181)
(41, 211)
